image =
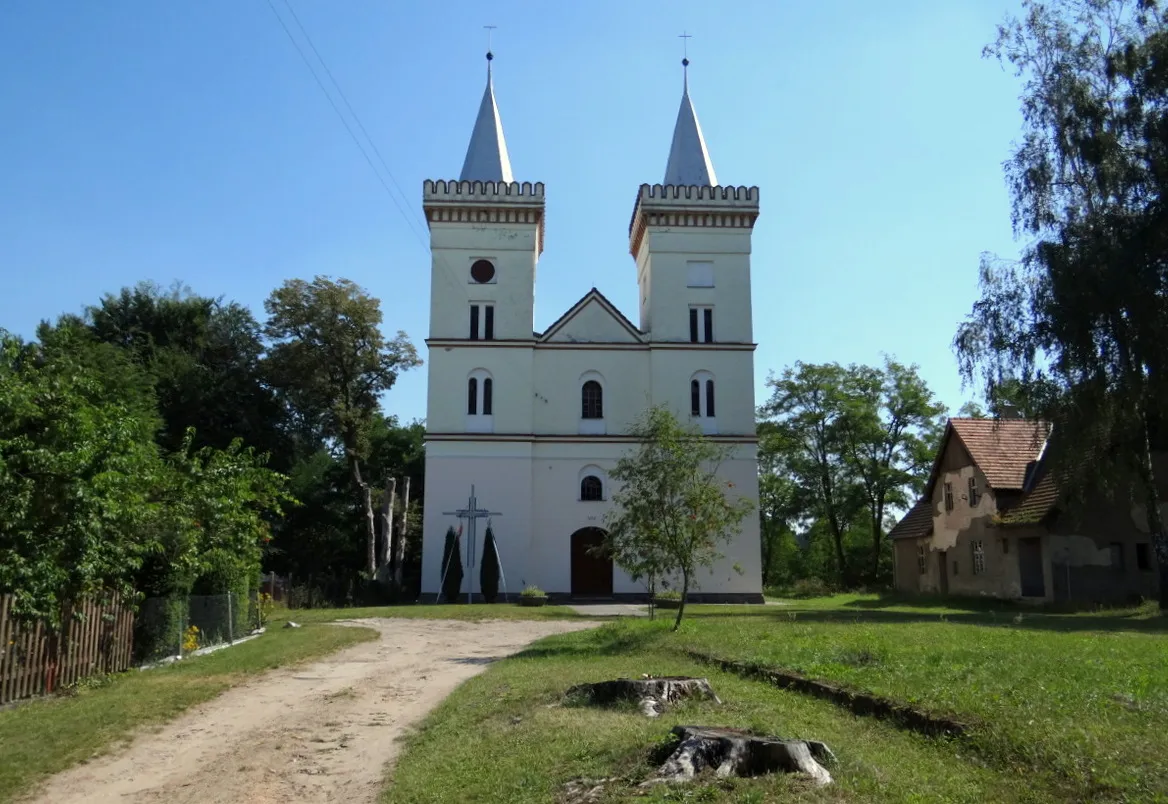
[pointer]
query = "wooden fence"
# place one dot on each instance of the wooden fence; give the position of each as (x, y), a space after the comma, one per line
(34, 661)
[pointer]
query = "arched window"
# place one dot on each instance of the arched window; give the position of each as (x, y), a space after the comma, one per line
(488, 385)
(701, 395)
(472, 396)
(591, 489)
(591, 400)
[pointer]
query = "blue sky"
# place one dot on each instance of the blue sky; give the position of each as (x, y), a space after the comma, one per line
(188, 141)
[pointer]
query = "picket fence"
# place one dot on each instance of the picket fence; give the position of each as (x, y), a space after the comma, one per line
(96, 639)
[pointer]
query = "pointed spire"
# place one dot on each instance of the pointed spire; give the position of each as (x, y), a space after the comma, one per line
(486, 156)
(689, 161)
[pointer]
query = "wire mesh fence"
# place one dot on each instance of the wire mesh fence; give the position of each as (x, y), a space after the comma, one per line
(169, 627)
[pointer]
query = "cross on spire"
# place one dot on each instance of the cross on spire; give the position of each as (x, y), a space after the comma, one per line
(490, 31)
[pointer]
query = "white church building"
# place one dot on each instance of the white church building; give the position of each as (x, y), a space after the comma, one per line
(534, 421)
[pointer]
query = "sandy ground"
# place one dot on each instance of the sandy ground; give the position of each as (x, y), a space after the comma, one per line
(321, 732)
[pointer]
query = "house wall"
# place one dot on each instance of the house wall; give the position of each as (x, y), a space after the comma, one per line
(1081, 554)
(907, 577)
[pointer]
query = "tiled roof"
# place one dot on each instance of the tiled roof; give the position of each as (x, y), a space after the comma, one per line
(917, 522)
(1002, 448)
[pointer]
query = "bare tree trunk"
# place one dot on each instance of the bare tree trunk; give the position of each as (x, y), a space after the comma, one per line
(684, 595)
(370, 524)
(399, 547)
(387, 522)
(1152, 506)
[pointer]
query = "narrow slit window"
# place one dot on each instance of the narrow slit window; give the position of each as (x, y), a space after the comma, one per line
(709, 397)
(708, 321)
(695, 398)
(974, 495)
(591, 401)
(693, 325)
(489, 322)
(472, 396)
(474, 322)
(948, 496)
(487, 385)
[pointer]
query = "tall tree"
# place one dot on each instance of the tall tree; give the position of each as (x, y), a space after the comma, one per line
(891, 426)
(332, 363)
(1079, 323)
(807, 405)
(671, 512)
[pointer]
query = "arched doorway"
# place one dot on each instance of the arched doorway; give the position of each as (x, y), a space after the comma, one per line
(591, 574)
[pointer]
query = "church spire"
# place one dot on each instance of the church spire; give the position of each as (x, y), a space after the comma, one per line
(689, 161)
(486, 156)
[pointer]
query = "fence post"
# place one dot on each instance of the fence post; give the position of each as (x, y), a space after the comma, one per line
(230, 621)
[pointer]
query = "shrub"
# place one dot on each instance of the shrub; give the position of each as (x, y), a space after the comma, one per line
(451, 567)
(532, 591)
(811, 587)
(668, 594)
(489, 569)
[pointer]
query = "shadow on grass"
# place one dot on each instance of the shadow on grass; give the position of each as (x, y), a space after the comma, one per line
(1002, 615)
(609, 640)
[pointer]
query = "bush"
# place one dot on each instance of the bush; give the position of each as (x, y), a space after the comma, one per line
(667, 594)
(532, 591)
(451, 567)
(811, 587)
(489, 569)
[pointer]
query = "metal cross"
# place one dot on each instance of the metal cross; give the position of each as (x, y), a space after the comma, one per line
(472, 513)
(684, 37)
(490, 30)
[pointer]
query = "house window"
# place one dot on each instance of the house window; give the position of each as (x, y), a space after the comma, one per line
(948, 496)
(591, 489)
(978, 558)
(1143, 557)
(1116, 555)
(921, 555)
(591, 400)
(482, 322)
(701, 396)
(701, 325)
(973, 493)
(472, 396)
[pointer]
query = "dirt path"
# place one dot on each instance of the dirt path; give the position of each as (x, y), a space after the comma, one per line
(320, 732)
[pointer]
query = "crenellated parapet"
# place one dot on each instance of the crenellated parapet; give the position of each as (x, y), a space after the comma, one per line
(675, 205)
(484, 202)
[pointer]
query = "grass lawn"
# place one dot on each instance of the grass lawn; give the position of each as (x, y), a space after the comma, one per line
(503, 737)
(441, 611)
(1062, 707)
(42, 737)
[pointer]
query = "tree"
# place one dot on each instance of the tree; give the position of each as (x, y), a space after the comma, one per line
(672, 512)
(778, 508)
(489, 568)
(331, 363)
(891, 427)
(846, 445)
(77, 467)
(451, 567)
(1079, 324)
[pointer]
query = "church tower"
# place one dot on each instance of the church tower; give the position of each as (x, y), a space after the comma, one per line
(691, 240)
(486, 235)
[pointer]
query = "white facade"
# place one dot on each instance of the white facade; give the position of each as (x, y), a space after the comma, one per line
(516, 413)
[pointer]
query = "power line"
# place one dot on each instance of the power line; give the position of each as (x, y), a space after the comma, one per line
(348, 105)
(345, 122)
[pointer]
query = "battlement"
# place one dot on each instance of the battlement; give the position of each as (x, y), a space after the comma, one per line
(702, 194)
(482, 192)
(676, 206)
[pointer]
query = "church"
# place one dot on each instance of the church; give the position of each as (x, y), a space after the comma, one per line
(533, 421)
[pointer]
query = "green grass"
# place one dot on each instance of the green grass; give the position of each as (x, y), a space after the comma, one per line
(1083, 696)
(42, 737)
(504, 737)
(441, 611)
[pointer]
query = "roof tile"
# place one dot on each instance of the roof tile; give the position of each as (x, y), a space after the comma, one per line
(917, 522)
(1002, 448)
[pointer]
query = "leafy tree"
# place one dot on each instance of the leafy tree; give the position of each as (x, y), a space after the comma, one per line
(845, 445)
(77, 464)
(891, 428)
(1079, 323)
(489, 568)
(671, 512)
(451, 567)
(202, 356)
(331, 363)
(778, 509)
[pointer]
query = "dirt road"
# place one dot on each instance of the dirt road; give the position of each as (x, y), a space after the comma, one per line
(322, 732)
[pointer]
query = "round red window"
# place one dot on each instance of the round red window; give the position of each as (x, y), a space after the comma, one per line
(482, 271)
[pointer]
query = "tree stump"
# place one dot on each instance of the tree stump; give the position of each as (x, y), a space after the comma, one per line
(736, 752)
(651, 694)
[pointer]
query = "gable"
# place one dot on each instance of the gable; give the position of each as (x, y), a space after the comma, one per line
(593, 319)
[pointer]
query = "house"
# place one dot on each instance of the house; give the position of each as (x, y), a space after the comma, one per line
(993, 522)
(533, 421)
